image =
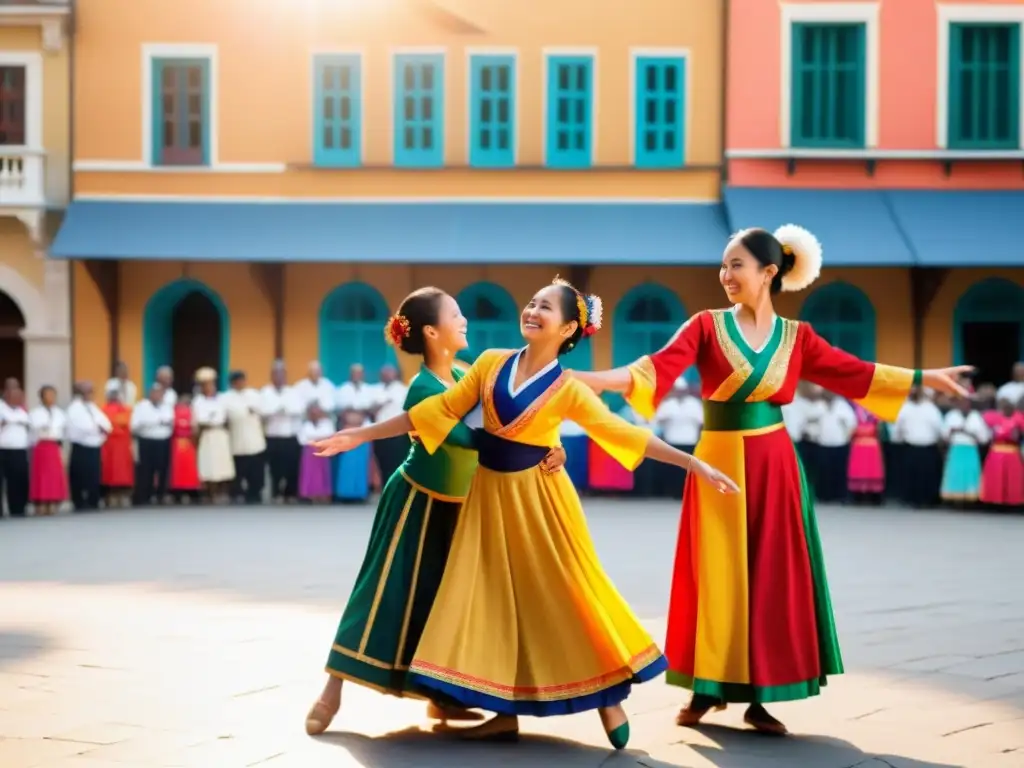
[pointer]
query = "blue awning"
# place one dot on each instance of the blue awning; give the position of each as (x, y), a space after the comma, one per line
(856, 227)
(440, 233)
(977, 228)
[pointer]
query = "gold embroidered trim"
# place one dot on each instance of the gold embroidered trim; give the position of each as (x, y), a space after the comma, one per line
(778, 368)
(386, 571)
(373, 687)
(741, 367)
(364, 659)
(411, 597)
(427, 492)
(490, 412)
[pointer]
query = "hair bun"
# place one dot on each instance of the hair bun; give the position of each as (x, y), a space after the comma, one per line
(801, 257)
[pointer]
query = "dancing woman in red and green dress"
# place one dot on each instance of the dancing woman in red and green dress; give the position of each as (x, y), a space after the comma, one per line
(750, 619)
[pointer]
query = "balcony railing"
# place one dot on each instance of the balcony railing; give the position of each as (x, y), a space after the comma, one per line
(22, 177)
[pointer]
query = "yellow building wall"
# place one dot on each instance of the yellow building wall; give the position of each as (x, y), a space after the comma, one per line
(18, 252)
(264, 64)
(56, 106)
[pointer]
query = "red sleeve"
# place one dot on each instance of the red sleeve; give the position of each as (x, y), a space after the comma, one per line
(653, 376)
(881, 389)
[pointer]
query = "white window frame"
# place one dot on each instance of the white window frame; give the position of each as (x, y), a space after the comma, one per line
(517, 93)
(832, 13)
(554, 51)
(32, 61)
(967, 14)
(660, 53)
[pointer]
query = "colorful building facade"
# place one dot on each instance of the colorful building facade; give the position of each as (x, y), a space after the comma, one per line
(35, 315)
(895, 131)
(261, 182)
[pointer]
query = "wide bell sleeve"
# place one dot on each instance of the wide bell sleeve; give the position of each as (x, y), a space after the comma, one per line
(624, 442)
(653, 376)
(460, 436)
(880, 389)
(434, 418)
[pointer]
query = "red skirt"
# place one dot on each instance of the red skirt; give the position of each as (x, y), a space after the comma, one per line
(48, 484)
(117, 465)
(184, 466)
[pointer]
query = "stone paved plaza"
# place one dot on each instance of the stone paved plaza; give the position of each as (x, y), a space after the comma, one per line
(197, 637)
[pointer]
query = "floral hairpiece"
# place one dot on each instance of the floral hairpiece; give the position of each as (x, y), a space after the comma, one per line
(589, 306)
(805, 249)
(396, 330)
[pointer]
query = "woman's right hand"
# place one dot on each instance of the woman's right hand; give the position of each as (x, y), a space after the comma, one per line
(719, 480)
(339, 442)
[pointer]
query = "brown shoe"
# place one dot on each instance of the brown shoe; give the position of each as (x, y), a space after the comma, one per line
(690, 715)
(757, 717)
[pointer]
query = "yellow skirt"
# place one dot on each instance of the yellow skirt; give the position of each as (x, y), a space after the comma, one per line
(526, 621)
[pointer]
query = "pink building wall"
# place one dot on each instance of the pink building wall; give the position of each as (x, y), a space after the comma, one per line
(907, 104)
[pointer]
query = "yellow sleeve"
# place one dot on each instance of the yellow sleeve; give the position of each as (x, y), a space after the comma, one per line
(435, 417)
(624, 442)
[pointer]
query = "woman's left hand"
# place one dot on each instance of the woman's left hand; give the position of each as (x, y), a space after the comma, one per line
(554, 461)
(946, 380)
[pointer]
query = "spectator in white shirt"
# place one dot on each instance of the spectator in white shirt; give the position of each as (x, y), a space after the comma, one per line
(812, 409)
(315, 388)
(920, 429)
(389, 400)
(127, 392)
(151, 424)
(356, 395)
(165, 378)
(680, 418)
(1013, 390)
(14, 439)
(963, 430)
(248, 443)
(283, 411)
(835, 428)
(87, 430)
(48, 483)
(216, 464)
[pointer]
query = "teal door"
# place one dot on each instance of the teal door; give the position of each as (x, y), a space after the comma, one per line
(844, 316)
(352, 320)
(988, 329)
(493, 319)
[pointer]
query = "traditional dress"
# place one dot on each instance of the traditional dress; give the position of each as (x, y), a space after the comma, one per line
(405, 558)
(750, 618)
(1002, 480)
(315, 472)
(184, 464)
(216, 464)
(866, 472)
(117, 464)
(48, 483)
(526, 621)
(961, 476)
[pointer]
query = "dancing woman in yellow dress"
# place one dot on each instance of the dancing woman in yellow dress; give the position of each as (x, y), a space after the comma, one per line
(526, 622)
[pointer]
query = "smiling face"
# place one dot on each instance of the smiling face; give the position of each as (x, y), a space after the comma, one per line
(449, 332)
(544, 317)
(742, 276)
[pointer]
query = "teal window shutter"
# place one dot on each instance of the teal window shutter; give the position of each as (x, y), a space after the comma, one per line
(181, 112)
(659, 112)
(337, 111)
(570, 97)
(829, 86)
(984, 86)
(493, 319)
(419, 110)
(492, 121)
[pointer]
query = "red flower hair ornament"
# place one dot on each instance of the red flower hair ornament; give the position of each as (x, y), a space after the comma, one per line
(396, 330)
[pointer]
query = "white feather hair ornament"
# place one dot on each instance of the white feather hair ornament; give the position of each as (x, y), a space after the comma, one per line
(806, 251)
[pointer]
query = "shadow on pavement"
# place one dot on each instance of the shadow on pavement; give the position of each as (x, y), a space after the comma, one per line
(739, 748)
(17, 646)
(414, 747)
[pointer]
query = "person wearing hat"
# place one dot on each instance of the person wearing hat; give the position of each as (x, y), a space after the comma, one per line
(248, 444)
(216, 465)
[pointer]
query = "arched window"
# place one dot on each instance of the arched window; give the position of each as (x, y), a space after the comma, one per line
(645, 320)
(988, 329)
(187, 326)
(493, 319)
(352, 319)
(842, 315)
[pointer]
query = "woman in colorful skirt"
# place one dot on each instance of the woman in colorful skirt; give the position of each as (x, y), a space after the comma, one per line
(314, 472)
(963, 430)
(48, 483)
(356, 471)
(412, 530)
(1002, 480)
(117, 459)
(750, 619)
(183, 484)
(526, 620)
(865, 474)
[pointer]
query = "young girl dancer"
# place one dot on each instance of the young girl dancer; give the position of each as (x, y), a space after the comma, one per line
(412, 531)
(526, 621)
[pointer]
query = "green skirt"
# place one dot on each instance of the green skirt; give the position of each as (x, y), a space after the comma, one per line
(395, 589)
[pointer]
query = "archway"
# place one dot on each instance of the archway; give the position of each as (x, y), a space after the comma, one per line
(352, 319)
(12, 348)
(988, 329)
(844, 316)
(645, 320)
(493, 319)
(186, 326)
